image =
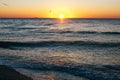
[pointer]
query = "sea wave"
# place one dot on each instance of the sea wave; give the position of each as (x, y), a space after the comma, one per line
(8, 44)
(92, 72)
(82, 32)
(88, 71)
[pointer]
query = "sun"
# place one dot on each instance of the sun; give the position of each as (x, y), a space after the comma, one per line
(61, 16)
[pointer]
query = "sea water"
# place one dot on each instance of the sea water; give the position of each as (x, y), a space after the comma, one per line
(67, 49)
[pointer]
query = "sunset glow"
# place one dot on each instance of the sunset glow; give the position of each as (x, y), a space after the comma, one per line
(53, 8)
(61, 16)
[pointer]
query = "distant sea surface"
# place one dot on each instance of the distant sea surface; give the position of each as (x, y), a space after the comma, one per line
(68, 49)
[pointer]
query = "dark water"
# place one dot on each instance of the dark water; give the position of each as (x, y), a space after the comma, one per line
(70, 49)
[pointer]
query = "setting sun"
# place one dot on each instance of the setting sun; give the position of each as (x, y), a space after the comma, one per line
(61, 16)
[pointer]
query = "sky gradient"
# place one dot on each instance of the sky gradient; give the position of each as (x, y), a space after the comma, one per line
(55, 8)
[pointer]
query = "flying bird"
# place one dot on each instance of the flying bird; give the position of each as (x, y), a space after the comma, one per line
(50, 11)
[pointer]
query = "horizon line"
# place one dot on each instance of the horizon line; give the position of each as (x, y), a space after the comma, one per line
(51, 18)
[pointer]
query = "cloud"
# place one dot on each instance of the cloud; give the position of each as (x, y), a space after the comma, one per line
(3, 4)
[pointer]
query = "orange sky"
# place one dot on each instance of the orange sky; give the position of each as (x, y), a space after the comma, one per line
(54, 8)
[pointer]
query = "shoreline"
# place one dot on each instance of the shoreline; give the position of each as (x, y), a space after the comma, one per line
(8, 73)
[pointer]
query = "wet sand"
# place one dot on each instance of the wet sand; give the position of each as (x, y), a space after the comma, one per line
(8, 73)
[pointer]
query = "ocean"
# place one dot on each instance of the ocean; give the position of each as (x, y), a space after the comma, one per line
(68, 49)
